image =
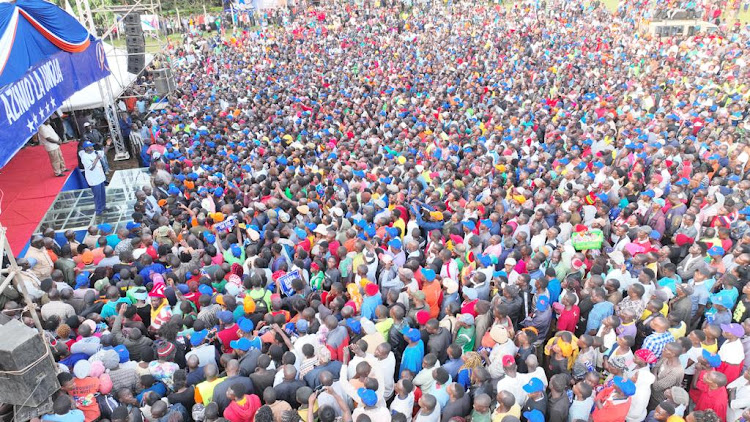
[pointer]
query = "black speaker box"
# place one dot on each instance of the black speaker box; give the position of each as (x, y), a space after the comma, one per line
(135, 43)
(25, 379)
(136, 63)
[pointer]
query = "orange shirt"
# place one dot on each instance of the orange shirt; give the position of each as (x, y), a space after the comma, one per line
(83, 394)
(432, 292)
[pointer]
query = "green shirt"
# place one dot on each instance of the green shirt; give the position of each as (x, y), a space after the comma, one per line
(465, 338)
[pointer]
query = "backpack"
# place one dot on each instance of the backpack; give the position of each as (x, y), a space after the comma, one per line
(107, 404)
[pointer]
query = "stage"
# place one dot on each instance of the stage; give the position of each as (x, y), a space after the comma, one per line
(34, 196)
(28, 189)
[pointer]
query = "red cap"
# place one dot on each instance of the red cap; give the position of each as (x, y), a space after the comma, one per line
(508, 360)
(423, 317)
(371, 289)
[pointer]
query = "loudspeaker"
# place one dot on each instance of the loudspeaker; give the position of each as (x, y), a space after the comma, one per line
(132, 19)
(27, 377)
(164, 81)
(136, 63)
(135, 44)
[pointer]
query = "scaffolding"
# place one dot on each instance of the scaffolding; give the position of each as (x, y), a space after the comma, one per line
(88, 13)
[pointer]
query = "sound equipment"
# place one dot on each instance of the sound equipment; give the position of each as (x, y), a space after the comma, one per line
(136, 63)
(164, 81)
(27, 373)
(134, 42)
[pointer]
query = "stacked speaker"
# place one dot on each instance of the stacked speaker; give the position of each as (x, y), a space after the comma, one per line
(134, 42)
(163, 81)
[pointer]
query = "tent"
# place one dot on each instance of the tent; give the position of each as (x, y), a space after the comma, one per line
(46, 55)
(119, 80)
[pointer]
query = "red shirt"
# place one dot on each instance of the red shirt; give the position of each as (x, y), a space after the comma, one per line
(226, 336)
(568, 319)
(710, 399)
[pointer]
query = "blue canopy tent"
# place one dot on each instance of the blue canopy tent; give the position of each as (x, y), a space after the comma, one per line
(46, 55)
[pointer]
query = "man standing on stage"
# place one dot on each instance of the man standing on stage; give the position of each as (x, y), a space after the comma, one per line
(51, 142)
(94, 172)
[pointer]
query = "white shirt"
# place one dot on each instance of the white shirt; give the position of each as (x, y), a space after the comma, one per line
(46, 131)
(514, 386)
(96, 176)
(403, 406)
(387, 368)
(732, 352)
(741, 400)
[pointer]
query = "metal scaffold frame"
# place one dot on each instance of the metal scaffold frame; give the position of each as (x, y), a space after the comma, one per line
(114, 14)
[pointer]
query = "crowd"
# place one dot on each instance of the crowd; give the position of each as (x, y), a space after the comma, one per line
(462, 212)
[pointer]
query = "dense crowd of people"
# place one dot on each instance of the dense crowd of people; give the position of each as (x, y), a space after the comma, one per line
(461, 212)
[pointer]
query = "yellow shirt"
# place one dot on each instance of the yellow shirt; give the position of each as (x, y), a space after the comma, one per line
(711, 348)
(204, 391)
(514, 411)
(680, 331)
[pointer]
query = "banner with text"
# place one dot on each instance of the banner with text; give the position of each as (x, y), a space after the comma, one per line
(26, 103)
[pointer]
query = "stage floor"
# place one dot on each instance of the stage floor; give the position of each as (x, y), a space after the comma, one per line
(74, 210)
(27, 189)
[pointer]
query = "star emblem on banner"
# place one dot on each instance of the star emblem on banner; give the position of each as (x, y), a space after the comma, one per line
(46, 107)
(33, 117)
(41, 114)
(30, 125)
(52, 103)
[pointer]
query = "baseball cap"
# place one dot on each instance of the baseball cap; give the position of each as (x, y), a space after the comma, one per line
(625, 385)
(368, 397)
(240, 344)
(534, 385)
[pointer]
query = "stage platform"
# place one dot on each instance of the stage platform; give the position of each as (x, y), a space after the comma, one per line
(74, 209)
(27, 189)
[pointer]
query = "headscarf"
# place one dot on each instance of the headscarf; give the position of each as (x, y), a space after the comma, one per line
(471, 360)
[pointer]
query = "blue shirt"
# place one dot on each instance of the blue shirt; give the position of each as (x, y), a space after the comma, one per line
(158, 388)
(74, 415)
(554, 288)
(369, 303)
(600, 311)
(412, 357)
(452, 366)
(656, 342)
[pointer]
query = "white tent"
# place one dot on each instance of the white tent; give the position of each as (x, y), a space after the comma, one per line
(119, 80)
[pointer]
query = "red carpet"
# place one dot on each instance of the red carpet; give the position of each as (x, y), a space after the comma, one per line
(29, 188)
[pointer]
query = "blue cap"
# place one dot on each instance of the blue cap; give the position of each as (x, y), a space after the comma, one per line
(82, 279)
(428, 274)
(104, 227)
(236, 250)
(395, 243)
(173, 190)
(122, 352)
(225, 316)
(311, 226)
(198, 337)
(733, 178)
(603, 197)
(745, 211)
(219, 191)
(246, 324)
(354, 325)
(391, 231)
(132, 225)
(534, 415)
(713, 360)
(205, 289)
(88, 144)
(487, 223)
(469, 224)
(716, 251)
(240, 344)
(209, 237)
(542, 304)
(535, 385)
(412, 334)
(713, 157)
(368, 397)
(300, 232)
(682, 182)
(625, 385)
(485, 260)
(650, 193)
